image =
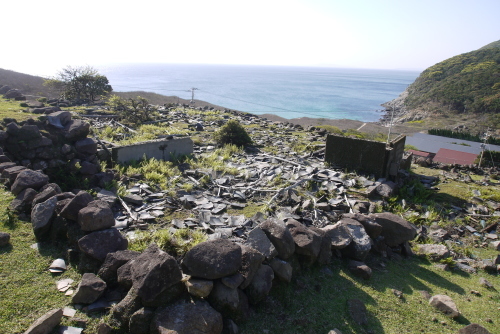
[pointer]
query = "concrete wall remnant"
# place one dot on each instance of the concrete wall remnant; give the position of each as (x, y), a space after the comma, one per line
(367, 156)
(161, 149)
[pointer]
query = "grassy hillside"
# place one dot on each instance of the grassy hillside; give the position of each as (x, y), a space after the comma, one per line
(467, 83)
(28, 84)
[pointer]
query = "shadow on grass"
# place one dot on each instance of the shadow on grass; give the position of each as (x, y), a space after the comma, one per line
(314, 302)
(413, 277)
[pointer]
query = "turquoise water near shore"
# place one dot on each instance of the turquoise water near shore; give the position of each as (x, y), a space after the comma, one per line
(289, 92)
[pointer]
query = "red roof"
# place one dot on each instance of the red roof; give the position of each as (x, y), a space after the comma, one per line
(421, 153)
(447, 156)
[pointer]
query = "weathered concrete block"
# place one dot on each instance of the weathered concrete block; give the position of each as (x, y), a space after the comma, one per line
(162, 149)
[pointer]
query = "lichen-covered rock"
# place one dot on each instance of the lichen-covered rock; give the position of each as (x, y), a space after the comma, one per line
(307, 242)
(81, 200)
(258, 240)
(261, 284)
(251, 259)
(113, 261)
(41, 218)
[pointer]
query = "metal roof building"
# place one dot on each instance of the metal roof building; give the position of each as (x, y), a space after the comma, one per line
(454, 157)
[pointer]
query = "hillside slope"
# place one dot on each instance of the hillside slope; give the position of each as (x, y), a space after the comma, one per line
(466, 84)
(28, 84)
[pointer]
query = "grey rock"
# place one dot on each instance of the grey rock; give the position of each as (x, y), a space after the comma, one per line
(140, 321)
(251, 260)
(98, 244)
(386, 189)
(360, 269)
(59, 118)
(261, 284)
(434, 252)
(42, 215)
(280, 236)
(231, 303)
(395, 229)
(10, 174)
(80, 201)
(371, 227)
(199, 287)
(325, 252)
(113, 261)
(197, 317)
(258, 240)
(495, 245)
(89, 290)
(96, 216)
(46, 323)
(473, 329)
(107, 196)
(213, 259)
(233, 281)
(86, 146)
(282, 269)
(43, 195)
(88, 168)
(122, 311)
(23, 200)
(76, 129)
(29, 179)
(133, 199)
(360, 245)
(438, 235)
(445, 304)
(4, 239)
(153, 272)
(338, 234)
(307, 242)
(484, 282)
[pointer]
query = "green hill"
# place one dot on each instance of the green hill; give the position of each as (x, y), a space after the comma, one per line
(467, 83)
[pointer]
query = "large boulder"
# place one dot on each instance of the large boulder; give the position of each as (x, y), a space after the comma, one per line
(76, 129)
(152, 272)
(86, 146)
(89, 290)
(212, 259)
(97, 215)
(42, 215)
(98, 244)
(395, 229)
(258, 240)
(307, 242)
(29, 179)
(280, 236)
(196, 317)
(80, 201)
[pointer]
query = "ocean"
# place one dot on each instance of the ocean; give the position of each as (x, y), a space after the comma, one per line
(289, 92)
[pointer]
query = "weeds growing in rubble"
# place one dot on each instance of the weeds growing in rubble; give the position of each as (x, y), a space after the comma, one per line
(175, 243)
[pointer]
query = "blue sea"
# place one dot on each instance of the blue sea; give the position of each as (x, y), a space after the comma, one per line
(289, 92)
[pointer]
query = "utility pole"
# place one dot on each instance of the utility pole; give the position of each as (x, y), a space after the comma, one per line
(483, 146)
(192, 94)
(390, 125)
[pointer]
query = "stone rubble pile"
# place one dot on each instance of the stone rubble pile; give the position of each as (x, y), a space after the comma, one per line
(215, 284)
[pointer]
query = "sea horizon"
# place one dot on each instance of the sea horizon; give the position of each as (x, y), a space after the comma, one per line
(286, 91)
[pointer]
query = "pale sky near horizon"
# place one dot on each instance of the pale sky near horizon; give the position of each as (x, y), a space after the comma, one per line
(41, 37)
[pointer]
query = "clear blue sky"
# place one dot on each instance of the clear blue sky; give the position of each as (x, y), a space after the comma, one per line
(41, 37)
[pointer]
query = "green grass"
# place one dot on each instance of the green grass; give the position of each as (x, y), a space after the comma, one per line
(27, 289)
(316, 302)
(12, 109)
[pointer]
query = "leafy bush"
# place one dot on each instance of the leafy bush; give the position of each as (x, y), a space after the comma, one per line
(232, 133)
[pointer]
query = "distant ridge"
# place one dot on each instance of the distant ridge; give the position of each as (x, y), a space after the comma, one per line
(466, 84)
